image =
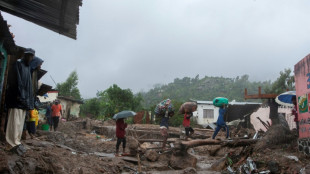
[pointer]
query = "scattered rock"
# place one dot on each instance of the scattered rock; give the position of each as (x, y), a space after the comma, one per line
(273, 166)
(214, 149)
(276, 134)
(3, 163)
(189, 170)
(182, 161)
(152, 155)
(133, 145)
(219, 165)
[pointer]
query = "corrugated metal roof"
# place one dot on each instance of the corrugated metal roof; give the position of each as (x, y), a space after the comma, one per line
(70, 99)
(61, 16)
(6, 36)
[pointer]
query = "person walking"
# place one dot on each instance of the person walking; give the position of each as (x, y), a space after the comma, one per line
(56, 114)
(187, 125)
(120, 134)
(164, 126)
(220, 123)
(48, 115)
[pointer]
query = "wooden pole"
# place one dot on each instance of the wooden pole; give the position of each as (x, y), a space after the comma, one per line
(139, 163)
(233, 143)
(154, 140)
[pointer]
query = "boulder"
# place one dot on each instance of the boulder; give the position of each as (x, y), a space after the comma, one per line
(190, 170)
(182, 161)
(151, 155)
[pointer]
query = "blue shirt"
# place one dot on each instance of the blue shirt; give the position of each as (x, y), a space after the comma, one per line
(220, 119)
(165, 122)
(48, 111)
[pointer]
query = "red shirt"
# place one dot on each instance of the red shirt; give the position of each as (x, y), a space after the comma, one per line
(56, 110)
(187, 120)
(120, 128)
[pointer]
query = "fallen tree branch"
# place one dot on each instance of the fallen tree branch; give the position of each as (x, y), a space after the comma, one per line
(231, 143)
(208, 130)
(154, 140)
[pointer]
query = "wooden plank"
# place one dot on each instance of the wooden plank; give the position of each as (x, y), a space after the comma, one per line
(129, 159)
(208, 130)
(154, 148)
(155, 140)
(259, 95)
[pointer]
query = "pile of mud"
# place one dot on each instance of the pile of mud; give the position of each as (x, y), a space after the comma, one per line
(88, 146)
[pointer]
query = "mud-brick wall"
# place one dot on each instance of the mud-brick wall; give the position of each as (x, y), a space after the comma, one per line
(304, 146)
(142, 117)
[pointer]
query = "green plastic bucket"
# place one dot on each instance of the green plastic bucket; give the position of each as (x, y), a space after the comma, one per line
(45, 127)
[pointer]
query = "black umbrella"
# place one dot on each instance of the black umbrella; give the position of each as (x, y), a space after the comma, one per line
(124, 114)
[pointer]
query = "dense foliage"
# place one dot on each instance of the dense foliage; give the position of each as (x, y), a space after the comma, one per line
(69, 87)
(114, 99)
(206, 88)
(285, 82)
(111, 101)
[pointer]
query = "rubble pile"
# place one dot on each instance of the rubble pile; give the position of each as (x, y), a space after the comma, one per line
(78, 147)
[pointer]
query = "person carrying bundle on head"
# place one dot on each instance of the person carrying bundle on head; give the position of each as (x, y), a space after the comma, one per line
(187, 125)
(220, 123)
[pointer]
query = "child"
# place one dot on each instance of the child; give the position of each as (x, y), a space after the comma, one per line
(32, 122)
(187, 124)
(120, 134)
(221, 123)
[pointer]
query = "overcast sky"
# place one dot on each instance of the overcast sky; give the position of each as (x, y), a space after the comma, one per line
(138, 43)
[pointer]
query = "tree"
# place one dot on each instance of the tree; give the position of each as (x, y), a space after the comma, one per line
(285, 82)
(115, 99)
(91, 107)
(69, 87)
(111, 101)
(206, 88)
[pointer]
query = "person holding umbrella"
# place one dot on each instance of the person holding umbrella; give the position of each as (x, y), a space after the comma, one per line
(121, 129)
(120, 134)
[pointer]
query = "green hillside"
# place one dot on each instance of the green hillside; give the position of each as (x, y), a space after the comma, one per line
(205, 88)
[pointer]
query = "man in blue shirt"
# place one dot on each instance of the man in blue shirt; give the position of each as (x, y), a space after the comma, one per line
(221, 123)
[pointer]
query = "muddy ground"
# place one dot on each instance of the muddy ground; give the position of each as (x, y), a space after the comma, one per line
(88, 146)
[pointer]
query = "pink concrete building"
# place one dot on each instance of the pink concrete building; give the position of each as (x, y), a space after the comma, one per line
(302, 84)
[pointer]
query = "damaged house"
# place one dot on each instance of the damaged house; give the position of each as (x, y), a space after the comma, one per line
(207, 113)
(59, 16)
(70, 107)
